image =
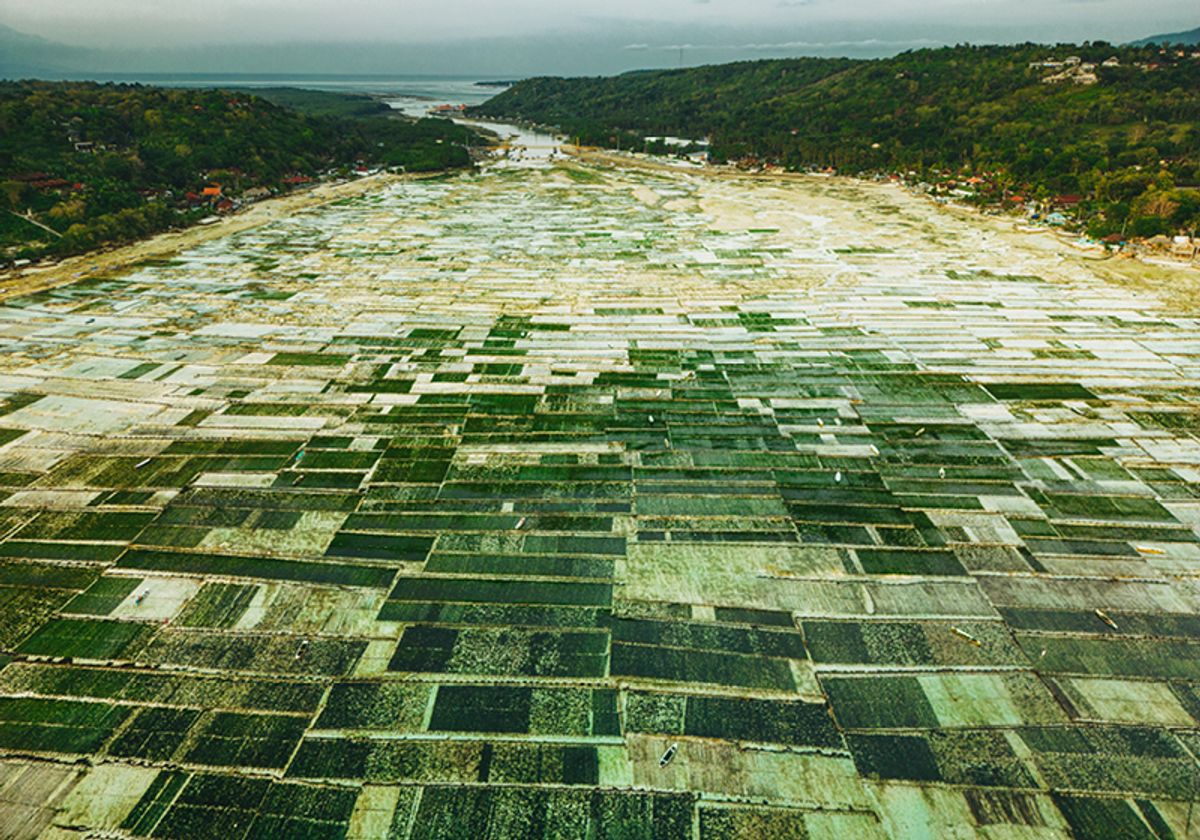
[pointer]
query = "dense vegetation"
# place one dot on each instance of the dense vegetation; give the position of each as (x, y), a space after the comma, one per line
(1128, 143)
(320, 103)
(88, 164)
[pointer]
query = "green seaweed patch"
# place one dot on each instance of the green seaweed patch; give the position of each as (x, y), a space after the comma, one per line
(879, 702)
(300, 571)
(82, 638)
(1038, 391)
(236, 739)
(217, 605)
(58, 726)
(154, 734)
(310, 359)
(393, 706)
(102, 597)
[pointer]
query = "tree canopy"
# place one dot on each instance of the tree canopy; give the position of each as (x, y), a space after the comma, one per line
(1127, 139)
(89, 164)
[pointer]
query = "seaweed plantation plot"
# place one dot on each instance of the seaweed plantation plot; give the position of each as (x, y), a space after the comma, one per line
(562, 501)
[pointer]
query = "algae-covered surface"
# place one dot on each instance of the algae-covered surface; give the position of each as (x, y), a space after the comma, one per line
(452, 509)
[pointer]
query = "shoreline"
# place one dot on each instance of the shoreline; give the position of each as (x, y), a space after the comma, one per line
(1153, 276)
(1004, 224)
(33, 279)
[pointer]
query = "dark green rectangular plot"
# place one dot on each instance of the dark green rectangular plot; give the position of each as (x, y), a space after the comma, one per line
(1120, 508)
(82, 638)
(885, 702)
(217, 605)
(1038, 391)
(717, 637)
(771, 721)
(424, 648)
(45, 575)
(1183, 625)
(1093, 548)
(740, 615)
(573, 544)
(385, 547)
(502, 591)
(310, 359)
(606, 719)
(154, 734)
(847, 514)
(327, 480)
(232, 447)
(901, 757)
(420, 523)
(1113, 656)
(882, 561)
(246, 740)
(700, 666)
(482, 708)
(9, 435)
(492, 614)
(333, 574)
(520, 564)
(103, 596)
(281, 499)
(86, 525)
(336, 460)
(154, 802)
(57, 726)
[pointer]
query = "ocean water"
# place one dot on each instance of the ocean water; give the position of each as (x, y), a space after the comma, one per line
(411, 95)
(402, 91)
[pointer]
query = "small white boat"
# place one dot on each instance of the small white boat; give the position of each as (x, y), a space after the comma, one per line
(668, 755)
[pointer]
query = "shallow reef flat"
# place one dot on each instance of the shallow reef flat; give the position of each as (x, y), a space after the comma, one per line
(571, 501)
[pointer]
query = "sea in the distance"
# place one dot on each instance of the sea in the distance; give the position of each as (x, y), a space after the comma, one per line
(411, 94)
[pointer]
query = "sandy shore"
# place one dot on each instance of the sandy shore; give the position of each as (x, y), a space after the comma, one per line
(99, 263)
(1177, 283)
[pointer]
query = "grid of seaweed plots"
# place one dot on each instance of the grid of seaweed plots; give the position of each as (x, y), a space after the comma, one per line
(545, 504)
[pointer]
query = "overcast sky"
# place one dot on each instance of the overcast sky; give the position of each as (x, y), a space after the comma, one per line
(142, 23)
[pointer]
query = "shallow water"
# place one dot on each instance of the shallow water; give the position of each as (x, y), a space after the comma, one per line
(486, 490)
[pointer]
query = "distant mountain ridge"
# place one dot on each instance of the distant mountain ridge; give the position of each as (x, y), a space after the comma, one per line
(22, 54)
(1192, 36)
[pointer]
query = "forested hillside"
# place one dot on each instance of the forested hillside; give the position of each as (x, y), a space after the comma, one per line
(1118, 126)
(89, 164)
(322, 103)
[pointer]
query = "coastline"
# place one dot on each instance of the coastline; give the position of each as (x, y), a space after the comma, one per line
(33, 279)
(1177, 282)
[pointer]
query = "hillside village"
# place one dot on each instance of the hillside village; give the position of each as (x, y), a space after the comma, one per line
(1097, 140)
(86, 165)
(1075, 70)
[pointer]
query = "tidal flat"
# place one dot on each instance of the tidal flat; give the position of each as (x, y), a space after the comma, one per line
(448, 509)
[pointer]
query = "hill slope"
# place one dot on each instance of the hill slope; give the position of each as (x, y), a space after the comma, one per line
(104, 163)
(1117, 133)
(24, 56)
(1192, 36)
